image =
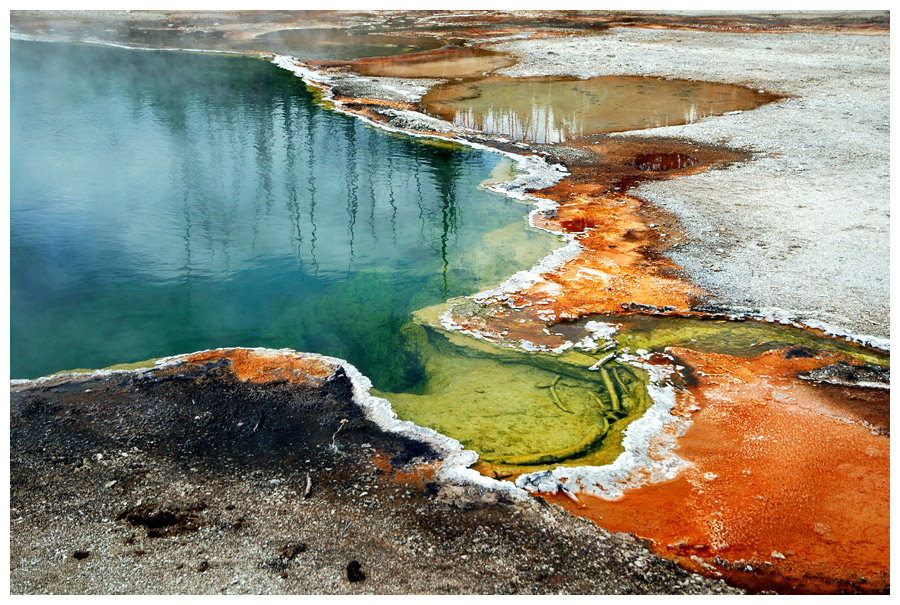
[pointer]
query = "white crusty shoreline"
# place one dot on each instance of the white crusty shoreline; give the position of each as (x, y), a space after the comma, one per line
(802, 227)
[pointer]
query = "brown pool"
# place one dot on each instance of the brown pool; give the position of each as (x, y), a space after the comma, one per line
(554, 109)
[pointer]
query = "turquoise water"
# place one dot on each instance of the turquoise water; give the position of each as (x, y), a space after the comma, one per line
(164, 202)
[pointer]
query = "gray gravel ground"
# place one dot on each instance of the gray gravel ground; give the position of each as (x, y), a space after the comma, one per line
(190, 481)
(804, 226)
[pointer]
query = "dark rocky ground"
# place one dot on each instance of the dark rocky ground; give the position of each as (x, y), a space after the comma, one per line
(188, 480)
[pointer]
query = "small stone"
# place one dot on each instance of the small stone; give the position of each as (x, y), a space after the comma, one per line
(204, 565)
(81, 554)
(354, 572)
(291, 550)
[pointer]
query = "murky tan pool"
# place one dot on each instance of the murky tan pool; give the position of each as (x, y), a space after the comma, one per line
(552, 109)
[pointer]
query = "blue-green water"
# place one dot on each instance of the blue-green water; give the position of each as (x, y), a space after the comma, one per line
(164, 202)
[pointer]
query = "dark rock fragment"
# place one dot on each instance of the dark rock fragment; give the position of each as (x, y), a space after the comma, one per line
(354, 572)
(81, 554)
(169, 520)
(662, 162)
(846, 374)
(291, 550)
(800, 351)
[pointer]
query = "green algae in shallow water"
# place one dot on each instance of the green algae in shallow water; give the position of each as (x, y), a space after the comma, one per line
(504, 171)
(555, 109)
(747, 338)
(362, 318)
(137, 365)
(532, 411)
(522, 410)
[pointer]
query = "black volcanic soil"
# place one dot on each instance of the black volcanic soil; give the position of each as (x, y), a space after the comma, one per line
(188, 480)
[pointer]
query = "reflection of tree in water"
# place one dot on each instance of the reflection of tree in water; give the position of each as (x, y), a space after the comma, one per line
(417, 168)
(184, 93)
(351, 177)
(447, 168)
(392, 202)
(290, 173)
(311, 176)
(371, 154)
(264, 144)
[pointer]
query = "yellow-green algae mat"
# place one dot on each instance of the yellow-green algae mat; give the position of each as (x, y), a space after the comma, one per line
(735, 337)
(528, 411)
(522, 409)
